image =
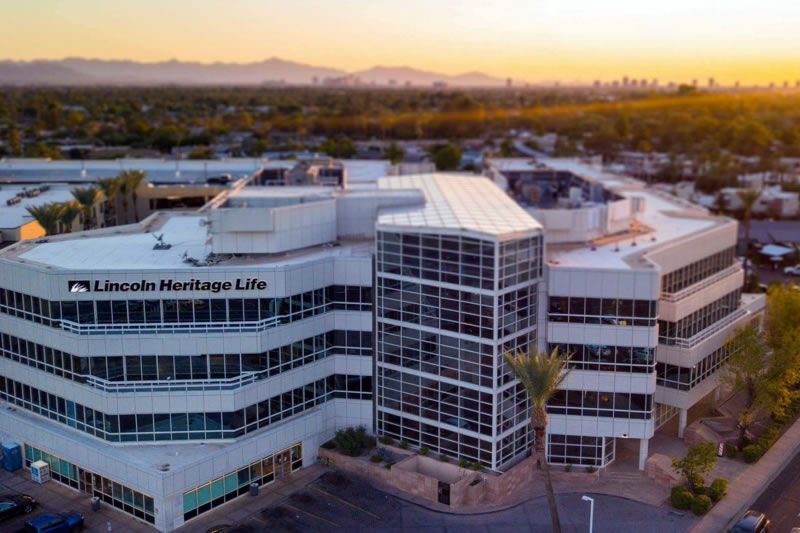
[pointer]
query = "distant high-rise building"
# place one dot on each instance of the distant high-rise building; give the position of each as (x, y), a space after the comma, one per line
(772, 85)
(597, 84)
(710, 83)
(643, 82)
(654, 83)
(625, 81)
(785, 84)
(634, 83)
(509, 82)
(615, 83)
(797, 84)
(694, 82)
(736, 85)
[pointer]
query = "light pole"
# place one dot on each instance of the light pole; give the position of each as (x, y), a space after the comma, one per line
(591, 510)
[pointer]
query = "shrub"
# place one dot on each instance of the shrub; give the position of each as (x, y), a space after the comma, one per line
(386, 439)
(752, 453)
(353, 441)
(681, 498)
(567, 468)
(330, 445)
(375, 458)
(443, 458)
(590, 469)
(424, 450)
(476, 466)
(730, 450)
(403, 444)
(463, 463)
(697, 484)
(701, 505)
(717, 489)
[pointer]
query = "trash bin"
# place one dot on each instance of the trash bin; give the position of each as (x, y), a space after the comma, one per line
(95, 503)
(253, 489)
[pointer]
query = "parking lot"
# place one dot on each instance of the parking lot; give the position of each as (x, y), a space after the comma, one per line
(54, 497)
(340, 502)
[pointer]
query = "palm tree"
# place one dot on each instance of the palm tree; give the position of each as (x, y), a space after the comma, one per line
(47, 215)
(110, 188)
(69, 210)
(541, 374)
(129, 182)
(748, 197)
(86, 198)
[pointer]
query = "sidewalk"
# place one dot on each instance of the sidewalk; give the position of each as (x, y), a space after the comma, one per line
(744, 490)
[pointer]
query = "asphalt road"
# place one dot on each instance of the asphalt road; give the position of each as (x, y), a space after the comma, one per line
(781, 499)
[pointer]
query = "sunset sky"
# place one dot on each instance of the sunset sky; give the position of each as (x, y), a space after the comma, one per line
(568, 40)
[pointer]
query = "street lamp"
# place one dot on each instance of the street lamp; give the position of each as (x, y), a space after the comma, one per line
(591, 510)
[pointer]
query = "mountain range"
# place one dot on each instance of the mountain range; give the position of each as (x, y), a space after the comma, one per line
(80, 71)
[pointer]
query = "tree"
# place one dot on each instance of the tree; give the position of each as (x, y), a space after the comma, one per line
(748, 197)
(783, 340)
(541, 374)
(69, 211)
(110, 188)
(395, 153)
(129, 182)
(47, 215)
(447, 157)
(86, 198)
(699, 460)
(14, 142)
(746, 370)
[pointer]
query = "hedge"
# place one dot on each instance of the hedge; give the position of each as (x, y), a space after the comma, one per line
(717, 489)
(701, 505)
(681, 498)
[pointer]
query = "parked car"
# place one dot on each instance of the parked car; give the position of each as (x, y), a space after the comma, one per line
(751, 522)
(792, 270)
(54, 523)
(14, 504)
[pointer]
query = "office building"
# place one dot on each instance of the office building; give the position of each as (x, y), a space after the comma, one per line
(643, 290)
(165, 375)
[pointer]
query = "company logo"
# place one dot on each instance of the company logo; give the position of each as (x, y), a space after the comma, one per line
(79, 286)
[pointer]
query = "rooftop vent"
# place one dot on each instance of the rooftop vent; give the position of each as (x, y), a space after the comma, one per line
(160, 244)
(164, 467)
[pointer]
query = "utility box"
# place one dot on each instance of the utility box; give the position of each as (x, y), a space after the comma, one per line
(40, 472)
(12, 456)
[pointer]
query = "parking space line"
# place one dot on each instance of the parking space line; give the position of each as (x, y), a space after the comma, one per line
(334, 524)
(354, 506)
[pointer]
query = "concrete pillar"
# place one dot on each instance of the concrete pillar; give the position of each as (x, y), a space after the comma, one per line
(642, 452)
(681, 423)
(717, 392)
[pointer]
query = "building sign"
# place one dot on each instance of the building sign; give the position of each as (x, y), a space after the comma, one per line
(240, 284)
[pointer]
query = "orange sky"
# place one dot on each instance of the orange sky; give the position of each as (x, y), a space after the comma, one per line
(535, 40)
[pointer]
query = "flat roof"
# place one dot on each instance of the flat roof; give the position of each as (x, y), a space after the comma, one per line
(458, 202)
(664, 216)
(132, 249)
(158, 170)
(14, 216)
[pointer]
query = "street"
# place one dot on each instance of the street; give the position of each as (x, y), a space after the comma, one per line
(781, 499)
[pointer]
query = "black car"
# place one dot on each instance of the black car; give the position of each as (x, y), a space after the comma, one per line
(751, 522)
(14, 504)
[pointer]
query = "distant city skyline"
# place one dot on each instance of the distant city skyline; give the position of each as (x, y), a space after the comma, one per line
(747, 41)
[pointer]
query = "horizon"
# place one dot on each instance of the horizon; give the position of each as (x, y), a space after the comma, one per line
(533, 43)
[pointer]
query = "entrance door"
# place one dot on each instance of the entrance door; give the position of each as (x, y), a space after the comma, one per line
(444, 493)
(283, 464)
(85, 481)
